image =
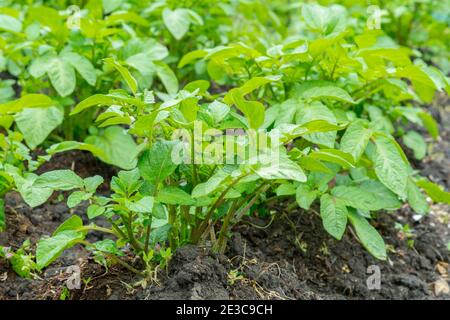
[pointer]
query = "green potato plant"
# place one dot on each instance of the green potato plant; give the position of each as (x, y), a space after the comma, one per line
(309, 99)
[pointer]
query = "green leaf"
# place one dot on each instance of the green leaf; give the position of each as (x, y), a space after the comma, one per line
(82, 65)
(435, 191)
(177, 21)
(416, 199)
(73, 223)
(124, 16)
(415, 142)
(286, 189)
(91, 183)
(118, 147)
(48, 250)
(307, 113)
(124, 72)
(59, 180)
(313, 165)
(40, 65)
(209, 186)
(111, 5)
(253, 110)
(334, 215)
(192, 56)
(8, 23)
(390, 166)
(321, 126)
(144, 205)
(218, 110)
(249, 86)
(6, 121)
(35, 100)
(430, 124)
(167, 77)
(77, 197)
(62, 76)
(75, 145)
(422, 79)
(368, 235)
(92, 101)
(107, 246)
(369, 195)
(281, 169)
(334, 156)
(160, 234)
(355, 139)
(326, 20)
(156, 164)
(318, 89)
(127, 182)
(141, 62)
(199, 86)
(175, 196)
(94, 210)
(159, 211)
(37, 123)
(32, 195)
(305, 196)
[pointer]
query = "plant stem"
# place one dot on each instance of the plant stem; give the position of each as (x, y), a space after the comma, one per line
(118, 230)
(291, 206)
(124, 264)
(241, 212)
(224, 229)
(137, 247)
(147, 235)
(197, 233)
(194, 167)
(97, 228)
(172, 222)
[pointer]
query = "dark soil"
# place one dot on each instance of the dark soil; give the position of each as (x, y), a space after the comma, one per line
(291, 258)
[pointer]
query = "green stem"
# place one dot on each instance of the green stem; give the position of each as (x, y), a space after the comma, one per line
(97, 228)
(194, 167)
(219, 247)
(118, 230)
(137, 247)
(147, 235)
(172, 222)
(222, 241)
(241, 212)
(124, 264)
(197, 233)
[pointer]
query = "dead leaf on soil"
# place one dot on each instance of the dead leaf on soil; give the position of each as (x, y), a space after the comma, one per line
(108, 290)
(442, 268)
(441, 287)
(4, 276)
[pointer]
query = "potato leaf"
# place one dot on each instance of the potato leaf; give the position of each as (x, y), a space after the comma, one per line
(369, 236)
(49, 249)
(334, 215)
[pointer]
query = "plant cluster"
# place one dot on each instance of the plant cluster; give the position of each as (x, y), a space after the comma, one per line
(133, 81)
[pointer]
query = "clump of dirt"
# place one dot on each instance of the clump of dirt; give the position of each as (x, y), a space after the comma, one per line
(193, 275)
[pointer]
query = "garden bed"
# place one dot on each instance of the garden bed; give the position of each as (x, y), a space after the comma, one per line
(289, 258)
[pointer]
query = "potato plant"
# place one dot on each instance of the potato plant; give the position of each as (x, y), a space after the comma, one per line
(209, 109)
